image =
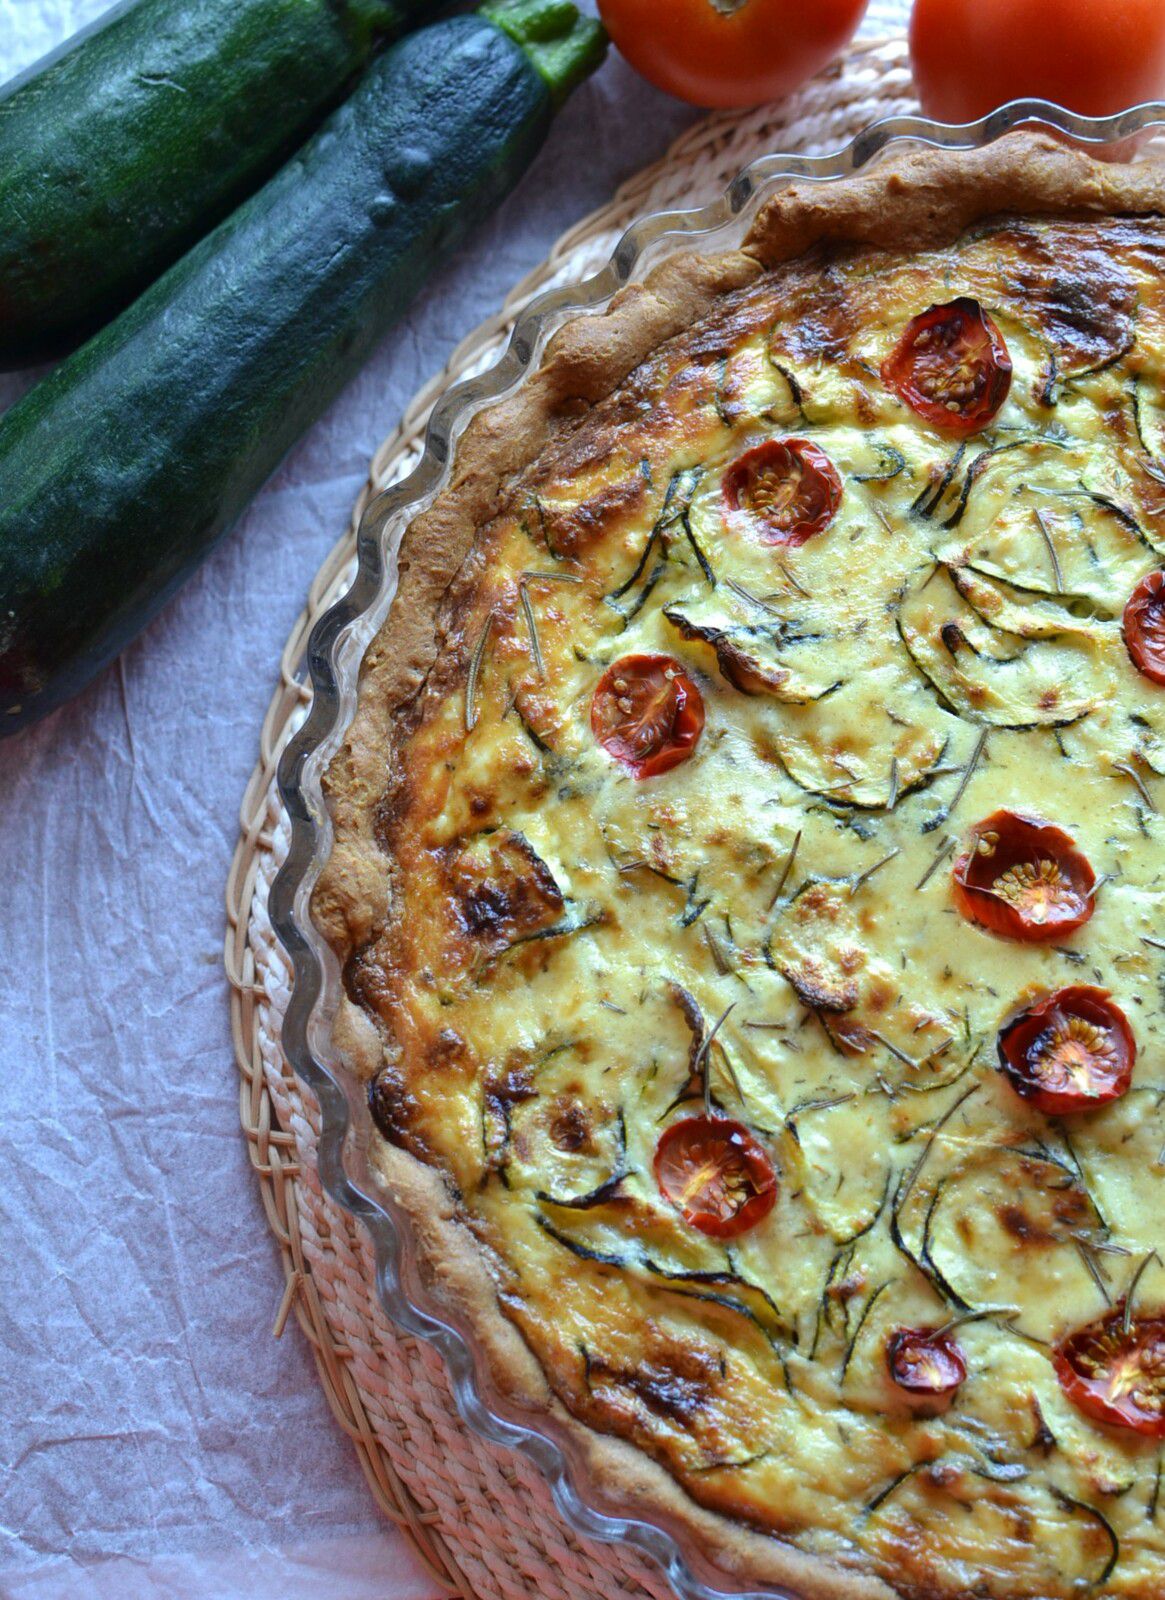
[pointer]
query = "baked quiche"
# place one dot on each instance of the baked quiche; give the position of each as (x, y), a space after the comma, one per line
(749, 879)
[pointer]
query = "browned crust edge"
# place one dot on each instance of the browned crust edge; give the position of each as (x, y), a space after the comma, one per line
(917, 200)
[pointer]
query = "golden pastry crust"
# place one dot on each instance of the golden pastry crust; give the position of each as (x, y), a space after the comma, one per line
(584, 405)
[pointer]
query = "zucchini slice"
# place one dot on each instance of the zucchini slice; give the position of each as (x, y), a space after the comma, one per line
(1030, 613)
(986, 675)
(1048, 517)
(1015, 1227)
(1119, 1150)
(872, 742)
(846, 1198)
(754, 654)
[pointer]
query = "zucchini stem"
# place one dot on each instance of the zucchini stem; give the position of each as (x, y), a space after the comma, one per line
(563, 46)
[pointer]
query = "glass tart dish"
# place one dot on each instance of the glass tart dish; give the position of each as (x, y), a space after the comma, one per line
(726, 878)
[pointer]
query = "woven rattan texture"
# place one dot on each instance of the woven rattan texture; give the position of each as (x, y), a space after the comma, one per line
(480, 1517)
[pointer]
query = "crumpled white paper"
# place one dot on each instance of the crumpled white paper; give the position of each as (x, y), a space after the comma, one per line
(154, 1439)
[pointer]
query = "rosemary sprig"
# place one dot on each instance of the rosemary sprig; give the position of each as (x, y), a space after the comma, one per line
(523, 594)
(786, 869)
(969, 770)
(862, 1320)
(718, 959)
(1138, 782)
(1042, 520)
(899, 1055)
(790, 579)
(700, 1066)
(1093, 1270)
(944, 850)
(535, 647)
(864, 877)
(981, 1315)
(1127, 1322)
(819, 1105)
(475, 673)
(747, 594)
(893, 798)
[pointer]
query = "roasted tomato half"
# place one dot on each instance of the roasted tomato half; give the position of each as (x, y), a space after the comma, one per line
(1117, 1375)
(783, 491)
(715, 1174)
(951, 366)
(1024, 878)
(925, 1361)
(1071, 1052)
(1144, 627)
(647, 713)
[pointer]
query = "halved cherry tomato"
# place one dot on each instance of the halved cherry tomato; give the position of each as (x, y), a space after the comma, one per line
(1144, 626)
(647, 713)
(925, 1361)
(715, 1174)
(951, 366)
(1024, 878)
(1071, 1052)
(1117, 1376)
(785, 490)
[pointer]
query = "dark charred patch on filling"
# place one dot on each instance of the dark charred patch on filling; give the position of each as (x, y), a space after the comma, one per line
(445, 1049)
(508, 1087)
(1047, 1219)
(1079, 295)
(503, 1089)
(570, 1128)
(819, 989)
(742, 670)
(571, 531)
(674, 1381)
(822, 329)
(501, 890)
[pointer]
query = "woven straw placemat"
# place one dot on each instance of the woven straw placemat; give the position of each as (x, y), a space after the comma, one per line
(480, 1517)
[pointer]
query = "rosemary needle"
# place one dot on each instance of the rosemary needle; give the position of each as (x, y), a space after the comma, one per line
(788, 867)
(1134, 1286)
(944, 850)
(1135, 778)
(702, 1059)
(524, 595)
(1041, 518)
(475, 673)
(969, 770)
(864, 877)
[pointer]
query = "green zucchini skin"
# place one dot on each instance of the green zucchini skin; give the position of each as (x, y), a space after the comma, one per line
(124, 148)
(121, 470)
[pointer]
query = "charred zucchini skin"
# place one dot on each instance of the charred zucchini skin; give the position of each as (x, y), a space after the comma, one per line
(121, 470)
(122, 150)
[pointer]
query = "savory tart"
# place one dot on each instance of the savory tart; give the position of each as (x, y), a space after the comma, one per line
(749, 878)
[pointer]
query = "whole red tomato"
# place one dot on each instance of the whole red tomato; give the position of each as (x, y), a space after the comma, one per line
(730, 52)
(1093, 56)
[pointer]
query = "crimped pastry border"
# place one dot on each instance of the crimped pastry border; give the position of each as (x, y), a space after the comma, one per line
(922, 199)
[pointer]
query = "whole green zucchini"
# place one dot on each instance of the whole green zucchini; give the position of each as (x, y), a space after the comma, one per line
(121, 150)
(121, 470)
